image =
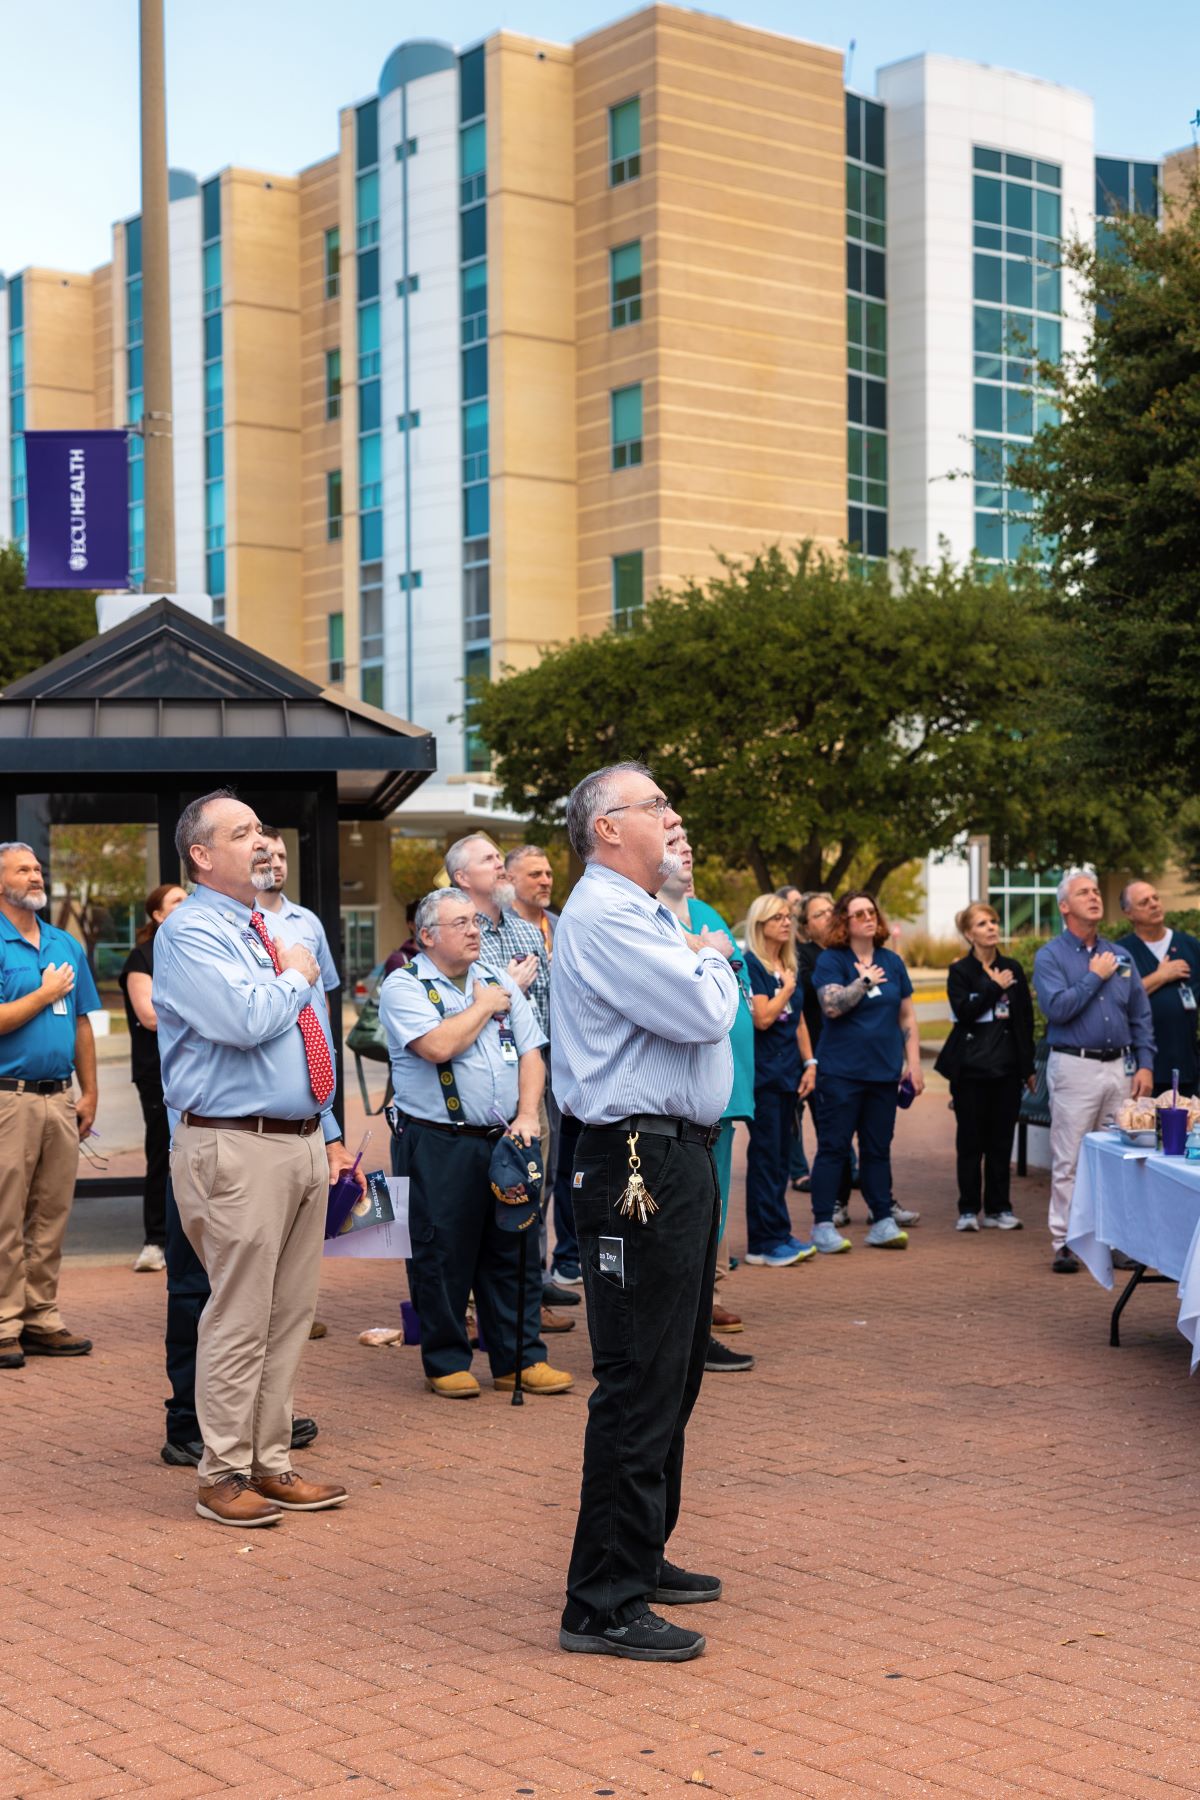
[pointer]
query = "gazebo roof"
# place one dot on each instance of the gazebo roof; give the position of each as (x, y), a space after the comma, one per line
(167, 692)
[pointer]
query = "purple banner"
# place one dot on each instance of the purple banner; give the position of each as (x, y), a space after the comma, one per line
(78, 490)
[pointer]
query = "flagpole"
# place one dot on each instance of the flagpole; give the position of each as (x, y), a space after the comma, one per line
(159, 466)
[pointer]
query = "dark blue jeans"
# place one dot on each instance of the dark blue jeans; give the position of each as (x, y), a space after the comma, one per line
(768, 1222)
(846, 1107)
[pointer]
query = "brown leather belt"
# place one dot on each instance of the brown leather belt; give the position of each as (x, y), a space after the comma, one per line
(272, 1127)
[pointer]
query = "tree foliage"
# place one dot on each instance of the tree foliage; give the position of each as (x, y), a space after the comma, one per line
(97, 867)
(37, 624)
(812, 718)
(1117, 486)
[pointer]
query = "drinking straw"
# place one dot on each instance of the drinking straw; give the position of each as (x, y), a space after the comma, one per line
(1174, 1087)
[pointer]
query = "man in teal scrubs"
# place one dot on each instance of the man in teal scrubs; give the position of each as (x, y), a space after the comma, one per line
(679, 897)
(46, 993)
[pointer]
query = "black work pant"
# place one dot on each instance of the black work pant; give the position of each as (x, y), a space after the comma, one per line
(187, 1296)
(650, 1332)
(768, 1222)
(985, 1115)
(566, 1246)
(457, 1245)
(158, 1159)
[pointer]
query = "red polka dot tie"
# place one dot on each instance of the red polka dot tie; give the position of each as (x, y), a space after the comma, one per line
(316, 1049)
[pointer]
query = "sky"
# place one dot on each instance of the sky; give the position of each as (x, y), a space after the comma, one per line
(259, 82)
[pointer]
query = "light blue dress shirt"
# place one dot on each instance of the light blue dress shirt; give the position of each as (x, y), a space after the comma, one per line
(639, 1023)
(296, 924)
(228, 1039)
(485, 1079)
(43, 1049)
(1084, 1011)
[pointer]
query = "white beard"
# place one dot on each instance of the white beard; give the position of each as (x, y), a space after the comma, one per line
(504, 893)
(33, 901)
(262, 881)
(670, 868)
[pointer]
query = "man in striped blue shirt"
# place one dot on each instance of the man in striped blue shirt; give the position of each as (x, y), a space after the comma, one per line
(639, 1049)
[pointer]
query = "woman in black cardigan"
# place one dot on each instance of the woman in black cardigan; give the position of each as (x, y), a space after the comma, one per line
(987, 1059)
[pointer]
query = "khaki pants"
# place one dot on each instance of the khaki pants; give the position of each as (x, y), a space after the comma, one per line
(1084, 1094)
(253, 1210)
(39, 1160)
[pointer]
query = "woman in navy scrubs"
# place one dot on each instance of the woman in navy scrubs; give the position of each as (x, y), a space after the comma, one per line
(779, 1075)
(870, 1040)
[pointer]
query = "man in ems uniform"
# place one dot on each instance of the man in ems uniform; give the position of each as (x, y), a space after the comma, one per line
(466, 1067)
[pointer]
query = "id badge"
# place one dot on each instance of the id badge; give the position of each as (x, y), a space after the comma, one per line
(257, 949)
(1187, 997)
(1001, 1009)
(60, 1007)
(1130, 1063)
(1124, 966)
(874, 993)
(508, 1043)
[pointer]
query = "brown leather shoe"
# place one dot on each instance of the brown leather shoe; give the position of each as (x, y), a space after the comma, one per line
(294, 1494)
(552, 1321)
(724, 1320)
(231, 1500)
(53, 1343)
(11, 1354)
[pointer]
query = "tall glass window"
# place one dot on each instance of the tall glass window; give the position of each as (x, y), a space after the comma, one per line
(476, 507)
(1017, 324)
(624, 142)
(1123, 187)
(370, 441)
(333, 263)
(214, 383)
(626, 406)
(16, 410)
(333, 384)
(625, 284)
(866, 327)
(628, 590)
(135, 402)
(337, 646)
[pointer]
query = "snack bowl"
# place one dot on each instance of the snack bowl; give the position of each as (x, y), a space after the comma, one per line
(1142, 1140)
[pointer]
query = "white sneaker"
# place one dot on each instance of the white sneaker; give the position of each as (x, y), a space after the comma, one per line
(150, 1260)
(1005, 1221)
(904, 1215)
(967, 1222)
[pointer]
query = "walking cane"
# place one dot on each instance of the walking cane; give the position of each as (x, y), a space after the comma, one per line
(518, 1398)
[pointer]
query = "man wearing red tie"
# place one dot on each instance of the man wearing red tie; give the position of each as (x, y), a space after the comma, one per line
(247, 1063)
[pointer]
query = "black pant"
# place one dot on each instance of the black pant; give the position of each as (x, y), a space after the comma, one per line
(187, 1296)
(650, 1333)
(457, 1245)
(985, 1113)
(566, 1246)
(158, 1159)
(768, 1222)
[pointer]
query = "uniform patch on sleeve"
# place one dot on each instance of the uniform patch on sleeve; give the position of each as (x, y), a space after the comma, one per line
(577, 1178)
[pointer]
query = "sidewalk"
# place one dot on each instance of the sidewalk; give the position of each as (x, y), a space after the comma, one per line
(958, 1535)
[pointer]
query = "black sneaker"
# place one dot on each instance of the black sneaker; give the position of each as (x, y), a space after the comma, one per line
(303, 1432)
(679, 1587)
(721, 1360)
(1065, 1262)
(644, 1639)
(554, 1295)
(182, 1456)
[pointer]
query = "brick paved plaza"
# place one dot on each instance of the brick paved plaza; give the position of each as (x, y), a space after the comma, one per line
(959, 1537)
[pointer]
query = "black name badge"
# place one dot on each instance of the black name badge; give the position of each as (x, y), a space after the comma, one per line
(612, 1259)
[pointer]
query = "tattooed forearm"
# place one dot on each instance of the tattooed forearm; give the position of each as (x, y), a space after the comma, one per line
(835, 1000)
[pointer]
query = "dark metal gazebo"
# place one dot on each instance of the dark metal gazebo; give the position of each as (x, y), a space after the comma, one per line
(132, 725)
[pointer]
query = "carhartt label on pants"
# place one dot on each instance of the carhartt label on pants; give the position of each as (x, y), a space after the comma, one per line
(612, 1259)
(578, 1178)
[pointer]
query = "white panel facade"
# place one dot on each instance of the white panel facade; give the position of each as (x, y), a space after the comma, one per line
(187, 392)
(5, 444)
(434, 447)
(938, 109)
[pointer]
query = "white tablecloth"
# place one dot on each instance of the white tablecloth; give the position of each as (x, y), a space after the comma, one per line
(1147, 1205)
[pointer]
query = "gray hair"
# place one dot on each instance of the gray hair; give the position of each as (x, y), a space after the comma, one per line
(193, 828)
(15, 844)
(591, 797)
(429, 909)
(519, 855)
(1126, 900)
(1064, 886)
(456, 856)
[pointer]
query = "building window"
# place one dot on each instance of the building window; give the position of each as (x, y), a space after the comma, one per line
(408, 421)
(624, 142)
(337, 646)
(211, 278)
(368, 343)
(477, 591)
(1026, 900)
(475, 445)
(366, 135)
(472, 154)
(333, 384)
(866, 326)
(474, 303)
(625, 284)
(210, 207)
(628, 593)
(333, 504)
(471, 85)
(370, 471)
(405, 150)
(627, 426)
(1017, 212)
(333, 263)
(367, 209)
(477, 666)
(410, 580)
(370, 596)
(407, 285)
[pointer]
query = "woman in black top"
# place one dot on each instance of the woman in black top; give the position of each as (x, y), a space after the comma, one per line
(987, 1059)
(136, 980)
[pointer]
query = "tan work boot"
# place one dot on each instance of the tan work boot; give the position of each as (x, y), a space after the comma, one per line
(462, 1385)
(539, 1379)
(232, 1500)
(556, 1321)
(294, 1494)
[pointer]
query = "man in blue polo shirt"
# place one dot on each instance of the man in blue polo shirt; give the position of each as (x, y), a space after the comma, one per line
(46, 992)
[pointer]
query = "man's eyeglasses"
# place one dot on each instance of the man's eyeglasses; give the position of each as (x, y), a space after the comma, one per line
(657, 804)
(463, 924)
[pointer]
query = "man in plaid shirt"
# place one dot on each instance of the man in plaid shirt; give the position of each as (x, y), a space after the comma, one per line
(508, 943)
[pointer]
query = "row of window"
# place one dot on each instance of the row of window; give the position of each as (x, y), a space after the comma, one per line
(16, 410)
(135, 401)
(866, 327)
(476, 489)
(214, 411)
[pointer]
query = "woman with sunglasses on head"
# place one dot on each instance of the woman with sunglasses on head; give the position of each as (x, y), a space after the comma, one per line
(780, 1073)
(868, 1041)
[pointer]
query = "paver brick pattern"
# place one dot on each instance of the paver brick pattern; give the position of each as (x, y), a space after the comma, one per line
(959, 1535)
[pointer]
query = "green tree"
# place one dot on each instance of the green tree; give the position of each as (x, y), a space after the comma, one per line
(810, 717)
(1117, 486)
(98, 867)
(37, 624)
